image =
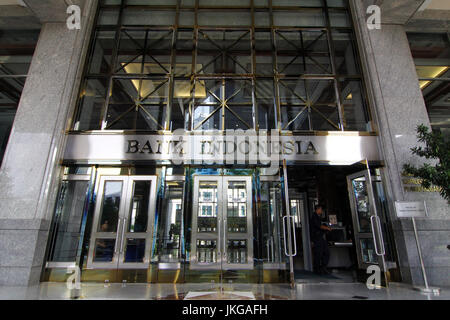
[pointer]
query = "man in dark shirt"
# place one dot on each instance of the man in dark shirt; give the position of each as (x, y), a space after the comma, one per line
(321, 252)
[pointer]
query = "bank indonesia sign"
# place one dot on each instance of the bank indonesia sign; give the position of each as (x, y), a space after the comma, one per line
(239, 147)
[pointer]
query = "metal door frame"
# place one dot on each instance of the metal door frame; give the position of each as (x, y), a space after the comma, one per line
(106, 235)
(148, 235)
(375, 235)
(238, 236)
(221, 236)
(120, 234)
(194, 264)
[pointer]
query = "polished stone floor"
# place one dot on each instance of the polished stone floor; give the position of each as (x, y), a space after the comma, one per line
(310, 291)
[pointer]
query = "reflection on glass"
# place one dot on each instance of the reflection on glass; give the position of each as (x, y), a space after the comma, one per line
(68, 219)
(207, 207)
(271, 206)
(135, 250)
(170, 223)
(104, 250)
(362, 204)
(109, 215)
(237, 251)
(297, 211)
(368, 251)
(206, 251)
(138, 215)
(237, 206)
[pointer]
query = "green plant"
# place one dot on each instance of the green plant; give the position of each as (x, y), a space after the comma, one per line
(435, 146)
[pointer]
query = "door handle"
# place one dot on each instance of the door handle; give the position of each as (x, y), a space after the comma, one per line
(380, 232)
(123, 234)
(376, 220)
(117, 235)
(284, 236)
(224, 238)
(295, 237)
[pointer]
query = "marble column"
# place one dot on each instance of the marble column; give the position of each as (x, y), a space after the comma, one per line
(30, 172)
(398, 108)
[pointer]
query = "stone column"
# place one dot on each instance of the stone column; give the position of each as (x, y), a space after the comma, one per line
(399, 108)
(30, 173)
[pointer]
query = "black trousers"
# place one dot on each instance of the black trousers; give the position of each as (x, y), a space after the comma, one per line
(321, 253)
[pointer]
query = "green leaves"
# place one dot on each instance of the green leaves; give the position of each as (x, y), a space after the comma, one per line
(437, 148)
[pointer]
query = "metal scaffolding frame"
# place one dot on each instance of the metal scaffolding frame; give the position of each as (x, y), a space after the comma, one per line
(300, 111)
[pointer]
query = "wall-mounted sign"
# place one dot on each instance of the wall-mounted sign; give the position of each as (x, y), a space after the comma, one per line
(410, 209)
(236, 147)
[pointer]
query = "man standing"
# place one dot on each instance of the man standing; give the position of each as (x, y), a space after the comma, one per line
(321, 252)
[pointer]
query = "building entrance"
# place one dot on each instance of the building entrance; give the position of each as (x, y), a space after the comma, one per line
(354, 209)
(122, 229)
(222, 224)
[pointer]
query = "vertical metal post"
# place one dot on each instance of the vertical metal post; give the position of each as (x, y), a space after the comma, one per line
(288, 215)
(427, 289)
(422, 265)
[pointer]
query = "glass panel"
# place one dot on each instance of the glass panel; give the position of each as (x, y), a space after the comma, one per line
(69, 213)
(368, 251)
(317, 54)
(299, 18)
(339, 19)
(264, 53)
(271, 206)
(143, 16)
(297, 211)
(345, 53)
(226, 51)
(170, 224)
(224, 3)
(206, 251)
(265, 104)
(337, 3)
(355, 110)
(104, 250)
(92, 104)
(207, 207)
(362, 204)
(135, 250)
(296, 3)
(224, 19)
(100, 59)
(237, 207)
(237, 251)
(109, 215)
(138, 214)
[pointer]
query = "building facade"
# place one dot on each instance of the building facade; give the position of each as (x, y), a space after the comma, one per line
(189, 141)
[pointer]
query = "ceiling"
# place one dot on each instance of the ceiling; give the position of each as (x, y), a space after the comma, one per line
(11, 2)
(439, 5)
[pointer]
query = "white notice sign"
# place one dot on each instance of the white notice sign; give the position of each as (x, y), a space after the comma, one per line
(409, 209)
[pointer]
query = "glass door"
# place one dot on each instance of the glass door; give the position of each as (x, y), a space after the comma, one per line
(222, 230)
(123, 223)
(370, 247)
(237, 252)
(272, 214)
(206, 218)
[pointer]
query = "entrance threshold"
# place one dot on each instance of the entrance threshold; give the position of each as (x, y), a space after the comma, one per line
(220, 295)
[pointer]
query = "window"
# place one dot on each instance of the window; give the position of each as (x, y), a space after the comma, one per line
(197, 65)
(16, 51)
(431, 53)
